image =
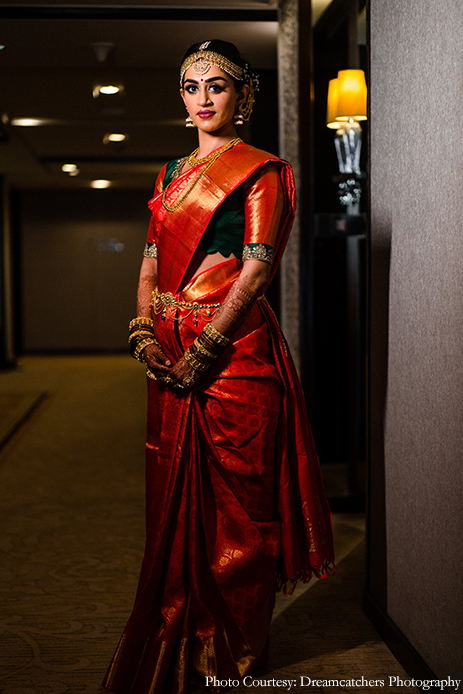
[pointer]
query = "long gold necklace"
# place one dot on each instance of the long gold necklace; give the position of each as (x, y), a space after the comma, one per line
(209, 160)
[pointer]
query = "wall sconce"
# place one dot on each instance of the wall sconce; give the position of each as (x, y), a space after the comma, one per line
(346, 106)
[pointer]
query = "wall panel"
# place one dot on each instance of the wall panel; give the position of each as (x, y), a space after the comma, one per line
(416, 95)
(81, 252)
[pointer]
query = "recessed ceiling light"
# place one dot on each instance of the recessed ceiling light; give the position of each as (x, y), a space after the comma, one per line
(69, 168)
(100, 183)
(108, 89)
(28, 122)
(114, 137)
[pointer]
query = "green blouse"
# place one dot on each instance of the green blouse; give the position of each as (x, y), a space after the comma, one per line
(225, 231)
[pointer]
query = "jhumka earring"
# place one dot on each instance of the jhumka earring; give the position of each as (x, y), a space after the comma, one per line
(189, 122)
(238, 118)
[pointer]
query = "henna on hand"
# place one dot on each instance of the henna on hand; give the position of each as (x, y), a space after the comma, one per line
(181, 371)
(237, 304)
(146, 285)
(239, 301)
(157, 360)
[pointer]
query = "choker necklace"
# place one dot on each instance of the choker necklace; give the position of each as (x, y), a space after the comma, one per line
(209, 160)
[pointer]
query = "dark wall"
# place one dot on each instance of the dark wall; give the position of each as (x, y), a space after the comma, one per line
(80, 253)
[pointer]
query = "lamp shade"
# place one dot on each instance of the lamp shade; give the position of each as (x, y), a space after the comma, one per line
(332, 104)
(352, 95)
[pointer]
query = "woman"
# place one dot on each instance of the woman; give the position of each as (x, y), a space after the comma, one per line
(235, 503)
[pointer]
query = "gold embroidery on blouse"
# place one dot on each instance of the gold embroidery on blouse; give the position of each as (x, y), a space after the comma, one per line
(150, 251)
(258, 251)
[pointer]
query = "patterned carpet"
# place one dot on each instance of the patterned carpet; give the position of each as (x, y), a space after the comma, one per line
(72, 518)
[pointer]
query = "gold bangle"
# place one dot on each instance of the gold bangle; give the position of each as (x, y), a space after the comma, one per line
(149, 336)
(191, 360)
(215, 336)
(139, 333)
(203, 350)
(140, 347)
(141, 320)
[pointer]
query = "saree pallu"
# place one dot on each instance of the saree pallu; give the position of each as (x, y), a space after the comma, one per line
(235, 505)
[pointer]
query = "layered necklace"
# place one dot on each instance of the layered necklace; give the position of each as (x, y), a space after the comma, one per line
(194, 161)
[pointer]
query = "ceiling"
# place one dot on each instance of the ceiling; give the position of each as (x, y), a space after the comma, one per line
(48, 69)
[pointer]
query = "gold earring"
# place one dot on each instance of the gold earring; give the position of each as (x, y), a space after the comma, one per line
(238, 118)
(189, 122)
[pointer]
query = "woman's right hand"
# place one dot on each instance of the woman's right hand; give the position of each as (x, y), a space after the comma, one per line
(156, 360)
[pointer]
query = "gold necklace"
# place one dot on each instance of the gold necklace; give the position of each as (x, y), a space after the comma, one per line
(194, 161)
(210, 159)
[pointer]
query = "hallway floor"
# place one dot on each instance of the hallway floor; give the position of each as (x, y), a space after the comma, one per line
(72, 513)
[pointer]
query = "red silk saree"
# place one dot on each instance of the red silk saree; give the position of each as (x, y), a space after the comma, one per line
(235, 504)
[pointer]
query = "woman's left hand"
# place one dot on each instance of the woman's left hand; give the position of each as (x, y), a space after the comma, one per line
(183, 376)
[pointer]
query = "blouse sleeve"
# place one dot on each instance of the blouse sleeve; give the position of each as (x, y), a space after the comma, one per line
(264, 204)
(151, 250)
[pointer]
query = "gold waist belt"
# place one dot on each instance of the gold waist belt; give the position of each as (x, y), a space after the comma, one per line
(161, 302)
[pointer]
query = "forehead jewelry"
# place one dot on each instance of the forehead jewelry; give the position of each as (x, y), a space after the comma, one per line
(202, 66)
(202, 60)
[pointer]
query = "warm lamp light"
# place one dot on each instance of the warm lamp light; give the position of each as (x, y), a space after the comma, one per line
(352, 95)
(332, 104)
(346, 105)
